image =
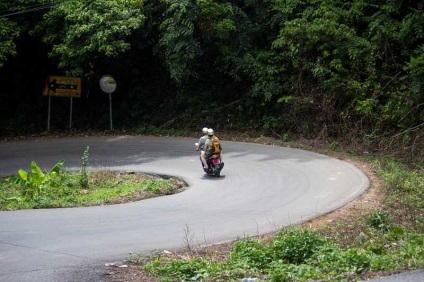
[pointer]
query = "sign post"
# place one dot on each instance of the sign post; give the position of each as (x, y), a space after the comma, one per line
(62, 86)
(48, 114)
(70, 113)
(108, 85)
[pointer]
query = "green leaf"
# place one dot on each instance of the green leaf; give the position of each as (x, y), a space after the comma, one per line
(23, 174)
(57, 167)
(36, 173)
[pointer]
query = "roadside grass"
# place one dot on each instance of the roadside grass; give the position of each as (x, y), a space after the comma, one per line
(103, 188)
(384, 241)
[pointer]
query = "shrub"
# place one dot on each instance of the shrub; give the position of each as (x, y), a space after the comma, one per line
(36, 183)
(249, 254)
(381, 220)
(183, 270)
(296, 245)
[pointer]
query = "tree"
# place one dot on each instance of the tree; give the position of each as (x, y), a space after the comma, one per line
(188, 30)
(8, 32)
(83, 31)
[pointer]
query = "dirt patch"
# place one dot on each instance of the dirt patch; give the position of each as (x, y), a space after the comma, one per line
(130, 273)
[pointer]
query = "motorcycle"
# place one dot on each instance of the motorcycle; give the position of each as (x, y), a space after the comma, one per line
(214, 163)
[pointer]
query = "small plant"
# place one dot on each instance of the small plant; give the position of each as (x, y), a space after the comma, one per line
(84, 176)
(380, 220)
(249, 253)
(156, 186)
(36, 182)
(334, 146)
(188, 238)
(296, 245)
(405, 186)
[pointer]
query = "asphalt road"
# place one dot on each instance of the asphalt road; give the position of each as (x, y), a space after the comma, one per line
(261, 189)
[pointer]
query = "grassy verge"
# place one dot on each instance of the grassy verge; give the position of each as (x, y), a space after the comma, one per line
(380, 241)
(98, 188)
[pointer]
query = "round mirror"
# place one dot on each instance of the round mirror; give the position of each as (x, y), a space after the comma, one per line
(108, 84)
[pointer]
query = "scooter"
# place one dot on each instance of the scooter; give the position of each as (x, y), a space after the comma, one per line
(215, 165)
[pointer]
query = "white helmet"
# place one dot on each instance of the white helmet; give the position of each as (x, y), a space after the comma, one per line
(210, 132)
(205, 130)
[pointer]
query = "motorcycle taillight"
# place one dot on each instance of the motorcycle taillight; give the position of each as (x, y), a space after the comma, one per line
(216, 161)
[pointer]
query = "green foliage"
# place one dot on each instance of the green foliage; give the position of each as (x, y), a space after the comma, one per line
(81, 31)
(189, 30)
(9, 30)
(158, 186)
(396, 233)
(66, 191)
(380, 220)
(405, 186)
(295, 254)
(177, 41)
(334, 146)
(319, 69)
(84, 163)
(193, 270)
(296, 246)
(36, 184)
(412, 250)
(249, 254)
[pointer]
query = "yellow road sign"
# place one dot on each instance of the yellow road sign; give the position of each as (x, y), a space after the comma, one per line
(63, 86)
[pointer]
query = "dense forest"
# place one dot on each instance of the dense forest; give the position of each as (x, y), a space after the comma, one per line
(310, 68)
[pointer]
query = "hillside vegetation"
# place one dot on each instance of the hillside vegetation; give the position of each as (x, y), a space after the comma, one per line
(290, 68)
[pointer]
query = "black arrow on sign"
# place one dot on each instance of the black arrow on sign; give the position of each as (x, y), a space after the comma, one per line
(53, 85)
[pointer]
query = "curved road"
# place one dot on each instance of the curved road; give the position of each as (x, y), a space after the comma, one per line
(261, 189)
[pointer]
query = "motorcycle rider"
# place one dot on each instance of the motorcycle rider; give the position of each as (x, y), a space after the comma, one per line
(201, 144)
(206, 149)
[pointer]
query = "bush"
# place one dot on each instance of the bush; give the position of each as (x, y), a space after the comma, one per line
(296, 245)
(183, 270)
(35, 183)
(249, 254)
(381, 220)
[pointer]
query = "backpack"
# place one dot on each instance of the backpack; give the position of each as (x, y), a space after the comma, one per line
(214, 145)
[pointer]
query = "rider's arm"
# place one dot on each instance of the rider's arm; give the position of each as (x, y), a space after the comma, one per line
(199, 144)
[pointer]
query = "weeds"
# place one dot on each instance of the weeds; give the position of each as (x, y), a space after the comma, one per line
(253, 258)
(188, 238)
(308, 256)
(405, 187)
(380, 220)
(84, 163)
(36, 189)
(104, 187)
(35, 183)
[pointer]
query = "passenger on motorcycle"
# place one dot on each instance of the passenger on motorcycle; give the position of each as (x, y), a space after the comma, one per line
(202, 139)
(201, 144)
(208, 150)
